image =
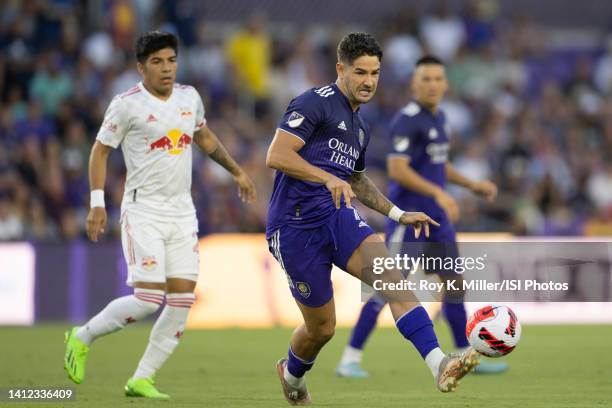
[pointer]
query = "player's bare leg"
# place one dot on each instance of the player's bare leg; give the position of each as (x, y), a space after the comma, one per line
(318, 328)
(350, 362)
(164, 338)
(306, 342)
(411, 318)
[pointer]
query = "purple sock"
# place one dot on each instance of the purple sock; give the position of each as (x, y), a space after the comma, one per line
(417, 327)
(366, 323)
(457, 319)
(296, 366)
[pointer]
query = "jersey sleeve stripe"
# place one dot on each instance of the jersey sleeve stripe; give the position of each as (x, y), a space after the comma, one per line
(129, 93)
(292, 134)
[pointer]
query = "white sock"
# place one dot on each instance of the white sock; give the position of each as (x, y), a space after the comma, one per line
(165, 334)
(295, 382)
(351, 355)
(120, 312)
(433, 360)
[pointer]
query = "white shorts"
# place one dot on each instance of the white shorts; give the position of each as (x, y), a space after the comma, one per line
(155, 251)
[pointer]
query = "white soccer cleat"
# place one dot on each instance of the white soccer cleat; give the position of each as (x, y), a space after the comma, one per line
(454, 367)
(294, 396)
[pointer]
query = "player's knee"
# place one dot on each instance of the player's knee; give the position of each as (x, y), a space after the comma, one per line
(327, 332)
(149, 300)
(323, 332)
(151, 307)
(180, 300)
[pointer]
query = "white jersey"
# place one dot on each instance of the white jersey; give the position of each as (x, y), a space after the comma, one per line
(156, 139)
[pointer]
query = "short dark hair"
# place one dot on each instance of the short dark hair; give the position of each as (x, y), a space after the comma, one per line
(153, 41)
(429, 60)
(355, 45)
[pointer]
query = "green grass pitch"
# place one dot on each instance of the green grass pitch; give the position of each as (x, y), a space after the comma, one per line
(553, 366)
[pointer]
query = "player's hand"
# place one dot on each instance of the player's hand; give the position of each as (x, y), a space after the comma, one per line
(419, 220)
(246, 188)
(96, 223)
(339, 188)
(448, 204)
(485, 189)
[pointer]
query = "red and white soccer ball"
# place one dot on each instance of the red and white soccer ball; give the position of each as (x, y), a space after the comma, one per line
(493, 330)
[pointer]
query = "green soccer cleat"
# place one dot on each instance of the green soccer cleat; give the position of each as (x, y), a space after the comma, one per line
(144, 387)
(75, 357)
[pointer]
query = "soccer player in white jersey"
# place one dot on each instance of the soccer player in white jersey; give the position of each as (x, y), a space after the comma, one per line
(155, 122)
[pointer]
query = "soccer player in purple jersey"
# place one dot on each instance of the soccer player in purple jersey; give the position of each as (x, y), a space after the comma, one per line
(318, 152)
(418, 170)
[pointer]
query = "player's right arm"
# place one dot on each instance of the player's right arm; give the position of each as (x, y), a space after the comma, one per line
(283, 156)
(399, 170)
(96, 219)
(111, 134)
(404, 136)
(304, 115)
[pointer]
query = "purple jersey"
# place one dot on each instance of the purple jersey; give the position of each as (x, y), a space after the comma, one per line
(421, 136)
(335, 140)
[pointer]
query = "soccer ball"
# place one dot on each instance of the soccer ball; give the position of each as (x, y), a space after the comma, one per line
(493, 330)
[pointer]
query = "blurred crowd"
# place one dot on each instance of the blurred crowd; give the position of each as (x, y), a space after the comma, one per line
(527, 110)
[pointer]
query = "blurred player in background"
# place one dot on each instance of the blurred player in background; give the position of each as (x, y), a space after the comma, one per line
(319, 154)
(418, 169)
(156, 123)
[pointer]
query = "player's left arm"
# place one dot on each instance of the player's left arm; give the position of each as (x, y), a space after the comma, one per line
(212, 146)
(367, 192)
(485, 188)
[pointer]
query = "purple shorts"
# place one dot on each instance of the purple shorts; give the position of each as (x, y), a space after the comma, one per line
(307, 255)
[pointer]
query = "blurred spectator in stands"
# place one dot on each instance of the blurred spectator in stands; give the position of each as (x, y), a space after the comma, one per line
(603, 70)
(39, 227)
(99, 49)
(51, 83)
(525, 106)
(443, 32)
(123, 24)
(600, 186)
(11, 226)
(70, 225)
(480, 23)
(249, 55)
(402, 48)
(206, 63)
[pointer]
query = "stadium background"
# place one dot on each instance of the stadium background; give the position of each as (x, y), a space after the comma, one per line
(530, 107)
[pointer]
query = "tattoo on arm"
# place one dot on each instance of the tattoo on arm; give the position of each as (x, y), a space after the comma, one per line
(369, 194)
(221, 156)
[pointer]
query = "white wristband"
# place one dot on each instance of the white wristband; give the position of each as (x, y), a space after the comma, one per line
(395, 213)
(97, 199)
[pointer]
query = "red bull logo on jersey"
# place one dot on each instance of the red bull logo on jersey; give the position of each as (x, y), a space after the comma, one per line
(149, 262)
(174, 142)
